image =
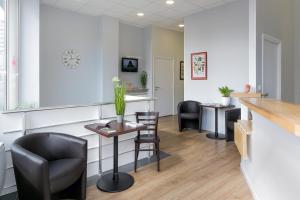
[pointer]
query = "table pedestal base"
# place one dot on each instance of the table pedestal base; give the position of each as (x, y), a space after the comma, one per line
(121, 182)
(213, 136)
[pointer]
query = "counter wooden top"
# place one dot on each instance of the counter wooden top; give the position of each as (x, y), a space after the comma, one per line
(286, 115)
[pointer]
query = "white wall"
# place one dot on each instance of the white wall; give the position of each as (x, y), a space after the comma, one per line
(252, 44)
(96, 39)
(63, 30)
(148, 56)
(272, 171)
(296, 32)
(223, 33)
(274, 18)
(29, 52)
(109, 37)
(131, 45)
(169, 44)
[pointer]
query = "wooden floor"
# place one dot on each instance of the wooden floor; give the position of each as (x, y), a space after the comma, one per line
(198, 168)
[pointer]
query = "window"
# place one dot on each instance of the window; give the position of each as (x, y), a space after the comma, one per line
(9, 23)
(2, 54)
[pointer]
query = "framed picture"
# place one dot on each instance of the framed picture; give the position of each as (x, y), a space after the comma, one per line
(199, 66)
(181, 72)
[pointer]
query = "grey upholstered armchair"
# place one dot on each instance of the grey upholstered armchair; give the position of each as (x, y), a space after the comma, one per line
(50, 166)
(190, 115)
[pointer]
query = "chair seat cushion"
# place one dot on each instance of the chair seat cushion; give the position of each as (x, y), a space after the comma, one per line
(230, 125)
(147, 138)
(189, 115)
(63, 173)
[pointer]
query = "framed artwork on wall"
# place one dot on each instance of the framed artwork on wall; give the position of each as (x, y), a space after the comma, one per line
(181, 72)
(199, 66)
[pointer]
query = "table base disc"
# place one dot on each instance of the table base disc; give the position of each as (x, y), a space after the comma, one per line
(213, 136)
(107, 184)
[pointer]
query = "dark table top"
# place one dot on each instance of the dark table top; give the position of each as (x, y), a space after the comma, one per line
(114, 128)
(216, 105)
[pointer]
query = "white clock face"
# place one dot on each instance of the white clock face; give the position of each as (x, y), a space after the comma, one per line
(71, 59)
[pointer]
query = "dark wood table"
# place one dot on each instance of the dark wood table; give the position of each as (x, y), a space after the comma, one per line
(216, 106)
(115, 181)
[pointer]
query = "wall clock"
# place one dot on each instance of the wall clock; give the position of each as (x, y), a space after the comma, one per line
(71, 59)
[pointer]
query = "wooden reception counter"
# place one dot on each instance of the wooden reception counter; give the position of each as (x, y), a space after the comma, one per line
(271, 166)
(286, 115)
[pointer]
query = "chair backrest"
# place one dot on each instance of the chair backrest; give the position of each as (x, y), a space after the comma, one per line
(150, 119)
(189, 107)
(49, 146)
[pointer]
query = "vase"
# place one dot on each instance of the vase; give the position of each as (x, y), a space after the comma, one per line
(120, 118)
(2, 165)
(247, 88)
(225, 101)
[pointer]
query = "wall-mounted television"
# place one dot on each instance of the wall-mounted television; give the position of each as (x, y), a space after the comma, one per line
(130, 64)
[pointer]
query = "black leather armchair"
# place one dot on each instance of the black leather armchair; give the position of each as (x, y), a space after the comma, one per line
(231, 116)
(189, 115)
(50, 166)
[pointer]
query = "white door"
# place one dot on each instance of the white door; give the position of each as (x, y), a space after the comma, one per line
(164, 86)
(271, 69)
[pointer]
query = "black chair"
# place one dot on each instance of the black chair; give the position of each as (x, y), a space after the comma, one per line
(151, 120)
(189, 115)
(50, 166)
(231, 116)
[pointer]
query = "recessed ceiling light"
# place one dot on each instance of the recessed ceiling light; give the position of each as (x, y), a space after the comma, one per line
(170, 2)
(140, 14)
(181, 25)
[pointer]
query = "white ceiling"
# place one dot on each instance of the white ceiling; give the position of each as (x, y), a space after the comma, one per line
(157, 12)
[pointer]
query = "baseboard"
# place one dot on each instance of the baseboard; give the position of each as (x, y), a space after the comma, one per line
(249, 182)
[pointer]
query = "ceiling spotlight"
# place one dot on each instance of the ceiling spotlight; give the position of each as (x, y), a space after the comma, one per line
(140, 14)
(181, 25)
(170, 2)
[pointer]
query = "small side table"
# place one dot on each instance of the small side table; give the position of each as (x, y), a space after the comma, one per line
(216, 135)
(116, 181)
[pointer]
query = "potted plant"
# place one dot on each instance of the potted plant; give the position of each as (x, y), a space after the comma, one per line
(119, 91)
(143, 79)
(225, 92)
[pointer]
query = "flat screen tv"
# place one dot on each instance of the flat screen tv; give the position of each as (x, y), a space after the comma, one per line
(130, 65)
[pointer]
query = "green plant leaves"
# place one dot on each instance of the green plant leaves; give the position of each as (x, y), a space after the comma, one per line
(120, 91)
(225, 91)
(144, 77)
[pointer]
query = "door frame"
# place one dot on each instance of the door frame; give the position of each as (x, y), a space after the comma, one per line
(173, 79)
(278, 42)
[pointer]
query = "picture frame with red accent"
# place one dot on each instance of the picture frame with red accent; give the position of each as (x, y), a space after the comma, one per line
(199, 66)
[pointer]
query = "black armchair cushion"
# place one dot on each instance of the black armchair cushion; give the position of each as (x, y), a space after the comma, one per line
(63, 173)
(189, 115)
